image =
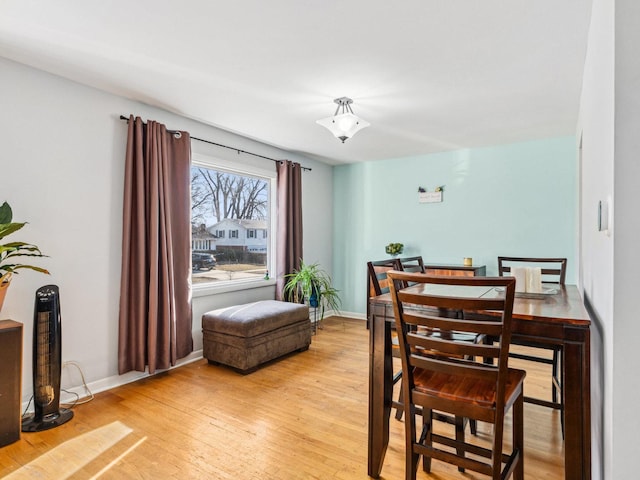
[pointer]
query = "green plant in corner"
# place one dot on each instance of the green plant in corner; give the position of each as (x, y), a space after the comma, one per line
(312, 284)
(9, 251)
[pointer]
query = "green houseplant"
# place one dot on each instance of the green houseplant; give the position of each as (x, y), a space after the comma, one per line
(312, 284)
(9, 251)
(394, 249)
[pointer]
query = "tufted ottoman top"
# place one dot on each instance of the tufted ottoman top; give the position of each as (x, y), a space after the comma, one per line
(253, 319)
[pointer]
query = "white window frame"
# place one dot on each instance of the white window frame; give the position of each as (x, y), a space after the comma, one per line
(206, 161)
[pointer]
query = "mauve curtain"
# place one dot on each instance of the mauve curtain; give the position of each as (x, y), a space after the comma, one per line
(289, 239)
(155, 299)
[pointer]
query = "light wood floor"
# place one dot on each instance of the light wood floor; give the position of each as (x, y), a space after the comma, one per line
(302, 417)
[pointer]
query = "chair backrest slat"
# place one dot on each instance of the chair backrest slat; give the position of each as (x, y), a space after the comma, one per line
(439, 365)
(441, 301)
(445, 323)
(432, 342)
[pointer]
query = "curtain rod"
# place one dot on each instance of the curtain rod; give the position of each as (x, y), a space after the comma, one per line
(122, 117)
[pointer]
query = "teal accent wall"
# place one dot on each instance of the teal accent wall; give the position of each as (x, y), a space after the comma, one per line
(515, 200)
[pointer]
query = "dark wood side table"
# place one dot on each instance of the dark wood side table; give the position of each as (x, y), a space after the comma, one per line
(455, 270)
(10, 381)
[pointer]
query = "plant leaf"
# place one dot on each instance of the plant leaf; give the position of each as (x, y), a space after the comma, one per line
(15, 249)
(6, 215)
(8, 228)
(13, 267)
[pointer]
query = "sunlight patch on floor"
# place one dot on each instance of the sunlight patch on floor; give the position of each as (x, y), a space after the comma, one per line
(64, 460)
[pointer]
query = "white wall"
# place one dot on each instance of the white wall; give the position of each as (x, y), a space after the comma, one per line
(626, 324)
(62, 171)
(596, 126)
(609, 123)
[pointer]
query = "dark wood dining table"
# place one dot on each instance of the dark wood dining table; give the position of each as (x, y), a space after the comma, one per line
(550, 319)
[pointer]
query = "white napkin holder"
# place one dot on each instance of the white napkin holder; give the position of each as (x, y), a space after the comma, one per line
(534, 280)
(520, 274)
(528, 279)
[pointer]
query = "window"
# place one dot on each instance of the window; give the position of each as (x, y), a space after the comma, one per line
(224, 202)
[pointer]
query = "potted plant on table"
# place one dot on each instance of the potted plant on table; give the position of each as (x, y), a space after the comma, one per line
(9, 251)
(394, 249)
(310, 283)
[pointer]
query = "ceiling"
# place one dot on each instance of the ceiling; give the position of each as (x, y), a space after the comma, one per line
(429, 75)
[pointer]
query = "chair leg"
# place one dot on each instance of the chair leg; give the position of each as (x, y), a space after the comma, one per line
(460, 422)
(411, 457)
(400, 408)
(473, 426)
(426, 439)
(554, 376)
(557, 384)
(562, 392)
(518, 436)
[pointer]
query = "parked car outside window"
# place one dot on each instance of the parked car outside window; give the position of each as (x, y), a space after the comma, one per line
(202, 261)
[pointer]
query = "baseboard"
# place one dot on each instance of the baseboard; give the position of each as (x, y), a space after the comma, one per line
(341, 313)
(108, 383)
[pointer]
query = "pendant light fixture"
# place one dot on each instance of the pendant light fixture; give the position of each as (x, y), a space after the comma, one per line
(344, 124)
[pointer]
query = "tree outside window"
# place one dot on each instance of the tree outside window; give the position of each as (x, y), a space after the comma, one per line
(224, 201)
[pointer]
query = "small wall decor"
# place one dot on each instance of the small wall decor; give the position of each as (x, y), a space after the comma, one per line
(430, 197)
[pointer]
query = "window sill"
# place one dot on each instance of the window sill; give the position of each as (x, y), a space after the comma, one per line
(204, 290)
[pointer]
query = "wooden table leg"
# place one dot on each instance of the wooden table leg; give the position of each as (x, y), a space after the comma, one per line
(380, 390)
(577, 406)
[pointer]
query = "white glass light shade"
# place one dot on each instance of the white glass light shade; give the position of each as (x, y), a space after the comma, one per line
(343, 126)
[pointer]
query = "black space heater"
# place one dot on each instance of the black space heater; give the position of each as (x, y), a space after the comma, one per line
(47, 363)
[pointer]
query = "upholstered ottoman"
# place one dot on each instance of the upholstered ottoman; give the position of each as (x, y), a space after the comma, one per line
(246, 336)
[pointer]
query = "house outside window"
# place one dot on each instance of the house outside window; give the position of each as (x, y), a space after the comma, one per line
(238, 203)
(201, 239)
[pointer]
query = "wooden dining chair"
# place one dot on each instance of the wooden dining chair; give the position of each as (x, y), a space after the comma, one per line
(378, 284)
(412, 264)
(554, 271)
(439, 375)
(416, 265)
